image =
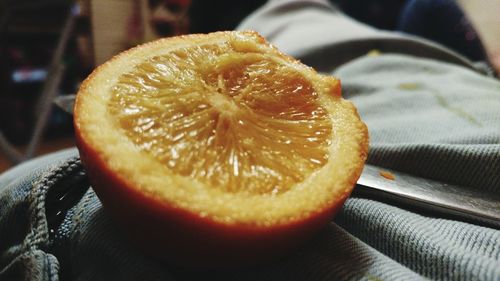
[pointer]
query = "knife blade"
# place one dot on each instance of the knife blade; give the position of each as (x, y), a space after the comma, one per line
(434, 197)
(66, 103)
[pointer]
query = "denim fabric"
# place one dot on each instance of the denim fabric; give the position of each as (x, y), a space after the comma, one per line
(86, 245)
(410, 130)
(24, 235)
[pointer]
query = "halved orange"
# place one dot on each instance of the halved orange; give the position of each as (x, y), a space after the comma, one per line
(217, 149)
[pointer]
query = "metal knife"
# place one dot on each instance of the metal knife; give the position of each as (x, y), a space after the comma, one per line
(432, 197)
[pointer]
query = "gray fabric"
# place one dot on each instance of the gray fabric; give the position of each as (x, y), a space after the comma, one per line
(88, 246)
(299, 25)
(319, 34)
(434, 248)
(425, 117)
(327, 58)
(428, 118)
(438, 121)
(368, 240)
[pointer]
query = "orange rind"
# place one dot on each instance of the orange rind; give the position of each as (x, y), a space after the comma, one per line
(216, 150)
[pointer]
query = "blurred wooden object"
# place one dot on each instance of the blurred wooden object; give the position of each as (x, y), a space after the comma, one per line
(84, 7)
(120, 24)
(149, 34)
(109, 27)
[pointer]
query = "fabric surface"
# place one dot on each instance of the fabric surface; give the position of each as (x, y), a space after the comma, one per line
(428, 118)
(425, 117)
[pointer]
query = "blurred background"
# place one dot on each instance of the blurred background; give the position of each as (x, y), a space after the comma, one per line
(47, 47)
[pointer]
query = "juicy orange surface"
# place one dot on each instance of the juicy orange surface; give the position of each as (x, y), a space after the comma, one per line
(236, 121)
(216, 149)
(223, 127)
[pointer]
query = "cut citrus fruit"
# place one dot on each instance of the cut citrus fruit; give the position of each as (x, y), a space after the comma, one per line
(217, 149)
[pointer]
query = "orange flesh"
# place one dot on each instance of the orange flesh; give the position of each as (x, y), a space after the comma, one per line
(387, 175)
(239, 122)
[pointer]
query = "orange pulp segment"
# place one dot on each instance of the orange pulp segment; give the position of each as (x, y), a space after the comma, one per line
(236, 121)
(222, 126)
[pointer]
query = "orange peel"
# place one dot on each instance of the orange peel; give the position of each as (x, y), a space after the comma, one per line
(216, 149)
